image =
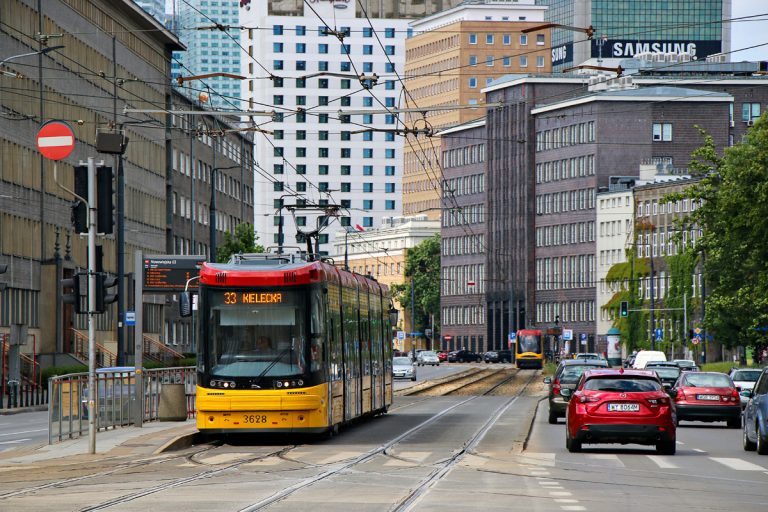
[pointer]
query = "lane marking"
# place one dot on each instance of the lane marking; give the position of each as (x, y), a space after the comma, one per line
(560, 493)
(24, 432)
(737, 464)
(565, 500)
(16, 441)
(572, 507)
(663, 462)
(698, 450)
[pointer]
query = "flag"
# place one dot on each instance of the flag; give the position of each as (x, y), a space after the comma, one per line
(359, 227)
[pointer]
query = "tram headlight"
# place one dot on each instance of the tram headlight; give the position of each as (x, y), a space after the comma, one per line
(279, 384)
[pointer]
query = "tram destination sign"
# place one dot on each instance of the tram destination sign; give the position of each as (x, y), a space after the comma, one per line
(170, 272)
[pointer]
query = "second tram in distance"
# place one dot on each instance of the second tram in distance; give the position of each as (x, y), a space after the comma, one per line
(529, 349)
(289, 345)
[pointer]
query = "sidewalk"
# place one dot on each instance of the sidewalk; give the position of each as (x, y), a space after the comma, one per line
(152, 438)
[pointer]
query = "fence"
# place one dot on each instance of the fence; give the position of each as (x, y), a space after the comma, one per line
(115, 398)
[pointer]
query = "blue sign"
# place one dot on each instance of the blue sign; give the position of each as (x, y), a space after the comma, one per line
(659, 334)
(512, 336)
(583, 336)
(130, 318)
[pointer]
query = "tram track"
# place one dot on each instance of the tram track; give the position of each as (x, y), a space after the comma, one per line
(213, 470)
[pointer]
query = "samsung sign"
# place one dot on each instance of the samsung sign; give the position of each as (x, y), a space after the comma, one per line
(624, 49)
(562, 54)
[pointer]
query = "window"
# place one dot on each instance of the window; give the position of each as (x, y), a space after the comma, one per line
(301, 83)
(523, 39)
(523, 61)
(389, 67)
(367, 170)
(301, 48)
(345, 66)
(389, 49)
(389, 136)
(389, 188)
(322, 152)
(278, 152)
(389, 33)
(277, 30)
(539, 62)
(346, 187)
(322, 83)
(278, 134)
(322, 119)
(750, 112)
(322, 135)
(368, 187)
(346, 101)
(301, 169)
(506, 61)
(472, 38)
(368, 67)
(277, 47)
(389, 85)
(322, 186)
(367, 32)
(472, 82)
(489, 61)
(540, 39)
(506, 39)
(277, 99)
(322, 170)
(368, 223)
(346, 170)
(488, 38)
(346, 153)
(389, 102)
(322, 48)
(277, 64)
(367, 118)
(345, 49)
(278, 169)
(389, 170)
(322, 101)
(345, 83)
(367, 153)
(473, 60)
(367, 49)
(301, 65)
(389, 153)
(301, 152)
(345, 135)
(367, 204)
(301, 186)
(277, 186)
(322, 31)
(662, 132)
(301, 100)
(368, 136)
(389, 204)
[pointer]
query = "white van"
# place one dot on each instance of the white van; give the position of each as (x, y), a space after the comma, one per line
(646, 356)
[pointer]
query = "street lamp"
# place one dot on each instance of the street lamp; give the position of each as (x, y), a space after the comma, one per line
(45, 50)
(212, 219)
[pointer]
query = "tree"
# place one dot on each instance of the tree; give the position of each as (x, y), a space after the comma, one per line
(243, 241)
(733, 192)
(422, 267)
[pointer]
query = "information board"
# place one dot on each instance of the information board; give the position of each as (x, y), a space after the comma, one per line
(170, 272)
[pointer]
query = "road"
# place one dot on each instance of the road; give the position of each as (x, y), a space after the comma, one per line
(26, 428)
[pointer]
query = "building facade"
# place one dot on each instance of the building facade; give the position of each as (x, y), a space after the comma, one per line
(450, 56)
(114, 55)
(462, 235)
(675, 26)
(210, 50)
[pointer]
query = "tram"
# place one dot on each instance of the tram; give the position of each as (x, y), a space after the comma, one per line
(289, 345)
(529, 349)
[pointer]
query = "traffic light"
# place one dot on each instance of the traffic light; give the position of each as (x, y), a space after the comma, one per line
(105, 214)
(73, 295)
(103, 294)
(79, 208)
(624, 310)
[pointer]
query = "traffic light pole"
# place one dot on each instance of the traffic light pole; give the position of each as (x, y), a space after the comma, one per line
(91, 305)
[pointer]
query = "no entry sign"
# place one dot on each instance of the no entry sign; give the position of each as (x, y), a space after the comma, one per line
(55, 140)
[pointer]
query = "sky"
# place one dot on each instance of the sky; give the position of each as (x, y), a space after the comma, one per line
(749, 33)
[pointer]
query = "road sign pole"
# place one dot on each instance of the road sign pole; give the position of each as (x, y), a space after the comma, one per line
(92, 392)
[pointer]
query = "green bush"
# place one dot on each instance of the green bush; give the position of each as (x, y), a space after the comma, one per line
(53, 371)
(723, 366)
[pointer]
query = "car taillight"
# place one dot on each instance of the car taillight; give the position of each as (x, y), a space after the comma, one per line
(680, 395)
(556, 387)
(588, 399)
(734, 396)
(664, 400)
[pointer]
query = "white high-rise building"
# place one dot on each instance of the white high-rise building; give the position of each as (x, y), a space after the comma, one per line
(306, 65)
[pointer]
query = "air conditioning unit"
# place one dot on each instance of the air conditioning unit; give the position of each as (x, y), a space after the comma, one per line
(750, 122)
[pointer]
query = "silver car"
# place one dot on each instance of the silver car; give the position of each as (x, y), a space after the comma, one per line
(427, 357)
(745, 379)
(403, 368)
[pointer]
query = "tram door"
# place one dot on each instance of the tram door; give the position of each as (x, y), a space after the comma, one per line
(351, 354)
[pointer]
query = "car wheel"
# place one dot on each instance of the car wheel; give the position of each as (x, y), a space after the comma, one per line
(552, 417)
(666, 447)
(413, 378)
(762, 442)
(572, 445)
(749, 446)
(734, 423)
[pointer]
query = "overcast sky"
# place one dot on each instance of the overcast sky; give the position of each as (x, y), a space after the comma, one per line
(749, 33)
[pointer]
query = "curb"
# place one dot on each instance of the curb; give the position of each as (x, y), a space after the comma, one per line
(19, 410)
(181, 442)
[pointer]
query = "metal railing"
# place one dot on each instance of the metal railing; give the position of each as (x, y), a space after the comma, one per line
(156, 351)
(115, 399)
(104, 357)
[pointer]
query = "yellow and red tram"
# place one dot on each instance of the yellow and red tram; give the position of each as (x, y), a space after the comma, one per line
(289, 345)
(529, 348)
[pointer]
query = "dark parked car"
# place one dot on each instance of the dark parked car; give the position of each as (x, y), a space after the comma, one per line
(464, 356)
(567, 376)
(668, 372)
(498, 356)
(755, 424)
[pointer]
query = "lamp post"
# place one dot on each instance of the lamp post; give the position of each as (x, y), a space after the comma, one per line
(43, 51)
(212, 220)
(600, 42)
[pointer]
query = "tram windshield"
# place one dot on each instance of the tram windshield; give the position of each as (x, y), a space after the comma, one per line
(256, 333)
(529, 343)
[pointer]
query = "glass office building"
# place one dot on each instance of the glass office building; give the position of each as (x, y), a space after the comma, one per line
(623, 28)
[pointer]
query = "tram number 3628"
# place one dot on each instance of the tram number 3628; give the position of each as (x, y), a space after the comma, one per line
(255, 418)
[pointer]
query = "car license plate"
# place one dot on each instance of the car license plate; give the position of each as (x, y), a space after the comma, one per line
(623, 407)
(707, 397)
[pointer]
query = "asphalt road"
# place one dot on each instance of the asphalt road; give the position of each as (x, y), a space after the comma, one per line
(23, 428)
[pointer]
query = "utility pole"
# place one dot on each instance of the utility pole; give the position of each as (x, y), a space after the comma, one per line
(653, 318)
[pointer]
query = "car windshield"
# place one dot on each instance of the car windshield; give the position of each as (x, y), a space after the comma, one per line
(427, 353)
(400, 361)
(621, 384)
(707, 380)
(746, 375)
(667, 373)
(572, 373)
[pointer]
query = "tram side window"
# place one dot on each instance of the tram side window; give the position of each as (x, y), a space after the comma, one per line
(317, 343)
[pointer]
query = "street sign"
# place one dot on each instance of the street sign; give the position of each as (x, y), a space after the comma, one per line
(696, 340)
(567, 334)
(170, 272)
(583, 338)
(401, 335)
(55, 140)
(130, 318)
(697, 330)
(659, 334)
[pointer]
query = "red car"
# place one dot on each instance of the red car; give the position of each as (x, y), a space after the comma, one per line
(707, 396)
(620, 406)
(442, 356)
